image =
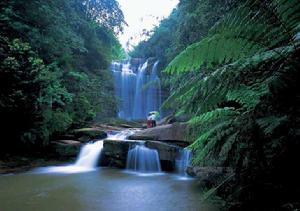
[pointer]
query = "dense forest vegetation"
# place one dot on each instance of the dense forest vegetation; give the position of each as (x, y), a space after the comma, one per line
(233, 67)
(55, 57)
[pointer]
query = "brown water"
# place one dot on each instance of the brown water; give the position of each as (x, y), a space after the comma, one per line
(104, 189)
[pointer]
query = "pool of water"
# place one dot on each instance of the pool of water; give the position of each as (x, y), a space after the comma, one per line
(103, 189)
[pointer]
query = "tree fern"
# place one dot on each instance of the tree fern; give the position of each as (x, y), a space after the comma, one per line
(207, 142)
(270, 123)
(239, 61)
(248, 96)
(252, 28)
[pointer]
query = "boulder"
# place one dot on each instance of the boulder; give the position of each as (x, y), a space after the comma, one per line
(66, 148)
(114, 152)
(167, 154)
(170, 133)
(166, 151)
(87, 134)
(170, 119)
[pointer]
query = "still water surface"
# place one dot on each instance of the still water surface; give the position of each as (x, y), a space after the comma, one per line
(104, 189)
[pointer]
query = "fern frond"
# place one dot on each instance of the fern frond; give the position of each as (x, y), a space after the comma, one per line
(270, 123)
(213, 115)
(227, 146)
(206, 143)
(249, 97)
(252, 28)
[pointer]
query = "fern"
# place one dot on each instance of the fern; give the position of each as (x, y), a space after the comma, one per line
(224, 152)
(235, 60)
(210, 128)
(213, 115)
(270, 123)
(248, 96)
(206, 143)
(253, 28)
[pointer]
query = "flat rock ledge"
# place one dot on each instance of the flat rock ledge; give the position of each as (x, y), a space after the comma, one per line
(170, 133)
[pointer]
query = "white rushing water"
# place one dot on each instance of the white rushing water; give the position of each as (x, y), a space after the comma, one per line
(87, 160)
(137, 87)
(122, 135)
(142, 159)
(183, 161)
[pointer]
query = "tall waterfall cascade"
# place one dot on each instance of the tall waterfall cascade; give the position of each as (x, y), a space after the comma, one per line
(143, 159)
(137, 87)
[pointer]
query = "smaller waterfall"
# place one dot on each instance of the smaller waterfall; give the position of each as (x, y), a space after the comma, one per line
(89, 155)
(183, 161)
(87, 160)
(143, 159)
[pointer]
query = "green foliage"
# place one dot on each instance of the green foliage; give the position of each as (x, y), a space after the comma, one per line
(54, 70)
(246, 31)
(270, 123)
(105, 12)
(240, 83)
(237, 65)
(247, 96)
(210, 129)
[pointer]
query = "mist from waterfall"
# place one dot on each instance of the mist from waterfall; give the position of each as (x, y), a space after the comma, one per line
(137, 87)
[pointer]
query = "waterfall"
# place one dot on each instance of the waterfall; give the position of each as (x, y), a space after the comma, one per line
(183, 161)
(137, 88)
(143, 159)
(89, 155)
(139, 98)
(154, 91)
(125, 80)
(87, 160)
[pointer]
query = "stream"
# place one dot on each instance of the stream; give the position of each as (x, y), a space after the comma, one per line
(84, 186)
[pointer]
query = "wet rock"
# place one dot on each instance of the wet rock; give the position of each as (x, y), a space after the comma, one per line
(170, 119)
(167, 153)
(207, 172)
(115, 152)
(66, 148)
(210, 177)
(170, 133)
(87, 134)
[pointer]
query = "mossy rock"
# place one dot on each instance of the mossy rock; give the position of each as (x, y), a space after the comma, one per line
(89, 134)
(66, 149)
